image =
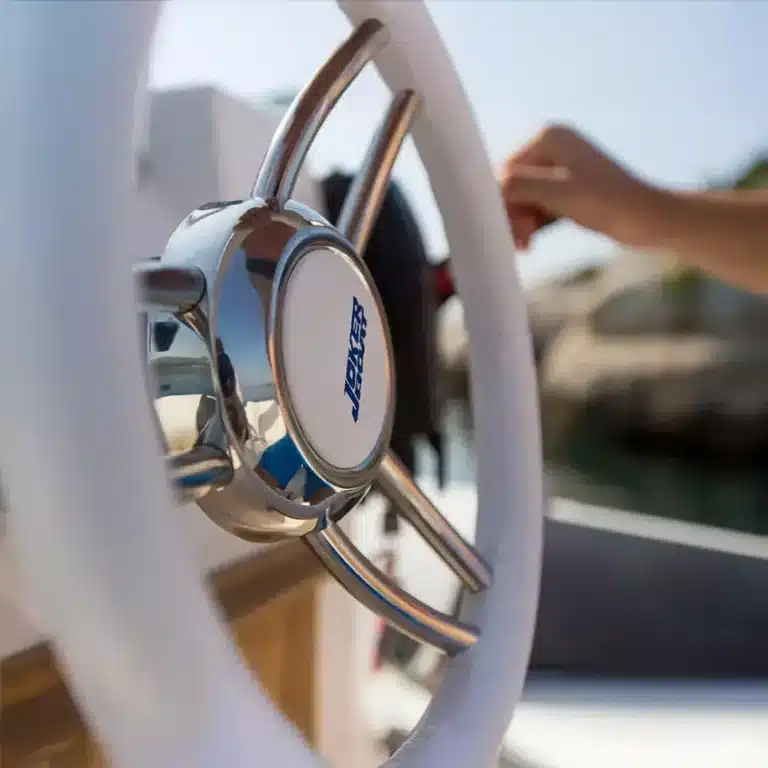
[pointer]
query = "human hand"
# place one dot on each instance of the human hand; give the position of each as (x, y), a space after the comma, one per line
(560, 174)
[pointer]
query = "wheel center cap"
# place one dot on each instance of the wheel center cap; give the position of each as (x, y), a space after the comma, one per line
(333, 362)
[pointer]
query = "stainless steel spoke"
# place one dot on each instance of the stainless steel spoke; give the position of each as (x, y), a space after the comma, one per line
(461, 557)
(309, 110)
(362, 205)
(168, 288)
(382, 596)
(197, 472)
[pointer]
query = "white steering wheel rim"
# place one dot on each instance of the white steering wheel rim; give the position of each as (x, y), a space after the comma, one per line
(108, 569)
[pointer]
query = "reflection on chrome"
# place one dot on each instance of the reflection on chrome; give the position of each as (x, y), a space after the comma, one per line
(215, 394)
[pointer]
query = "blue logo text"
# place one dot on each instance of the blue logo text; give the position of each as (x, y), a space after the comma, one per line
(353, 382)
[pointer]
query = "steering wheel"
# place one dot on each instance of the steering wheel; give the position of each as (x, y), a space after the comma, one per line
(274, 325)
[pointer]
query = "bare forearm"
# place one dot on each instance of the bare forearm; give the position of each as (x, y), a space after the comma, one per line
(724, 232)
(562, 175)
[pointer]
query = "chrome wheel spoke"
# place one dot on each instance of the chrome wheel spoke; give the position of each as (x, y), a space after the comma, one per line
(310, 109)
(196, 472)
(362, 205)
(461, 557)
(168, 288)
(382, 596)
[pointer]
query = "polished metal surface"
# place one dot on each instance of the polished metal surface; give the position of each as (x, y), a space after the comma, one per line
(310, 109)
(199, 471)
(215, 304)
(383, 596)
(366, 195)
(215, 387)
(168, 288)
(458, 554)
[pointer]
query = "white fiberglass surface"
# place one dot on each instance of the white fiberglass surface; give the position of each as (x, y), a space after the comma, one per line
(577, 724)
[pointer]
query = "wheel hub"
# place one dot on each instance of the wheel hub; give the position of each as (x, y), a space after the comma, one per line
(284, 366)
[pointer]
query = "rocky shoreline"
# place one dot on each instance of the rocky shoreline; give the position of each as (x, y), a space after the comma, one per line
(651, 354)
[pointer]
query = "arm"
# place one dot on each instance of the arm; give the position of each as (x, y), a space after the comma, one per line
(560, 174)
(722, 232)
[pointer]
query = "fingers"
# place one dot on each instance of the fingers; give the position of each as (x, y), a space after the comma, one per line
(550, 146)
(534, 198)
(536, 182)
(542, 187)
(523, 228)
(525, 222)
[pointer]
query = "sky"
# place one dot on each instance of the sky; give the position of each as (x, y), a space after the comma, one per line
(674, 89)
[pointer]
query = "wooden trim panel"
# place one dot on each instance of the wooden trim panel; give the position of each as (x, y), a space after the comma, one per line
(270, 601)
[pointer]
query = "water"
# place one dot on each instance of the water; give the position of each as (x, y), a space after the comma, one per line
(593, 471)
(590, 470)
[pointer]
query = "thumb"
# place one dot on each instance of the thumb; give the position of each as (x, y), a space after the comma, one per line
(539, 186)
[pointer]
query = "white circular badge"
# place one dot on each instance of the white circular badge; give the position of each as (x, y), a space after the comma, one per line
(335, 357)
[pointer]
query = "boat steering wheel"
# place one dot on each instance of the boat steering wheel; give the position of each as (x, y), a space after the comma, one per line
(266, 314)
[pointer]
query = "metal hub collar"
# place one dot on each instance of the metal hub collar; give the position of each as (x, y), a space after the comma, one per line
(331, 357)
(284, 366)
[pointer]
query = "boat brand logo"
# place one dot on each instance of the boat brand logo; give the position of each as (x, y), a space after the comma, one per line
(353, 382)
